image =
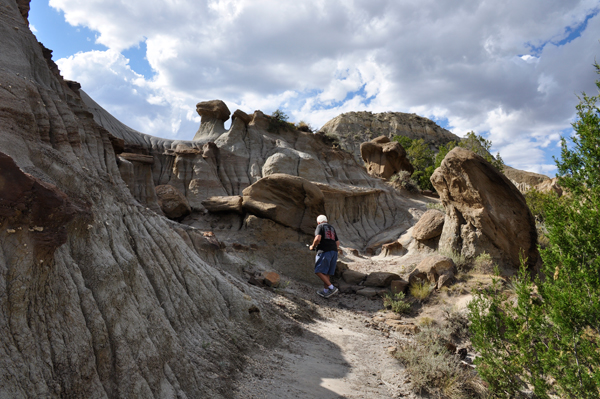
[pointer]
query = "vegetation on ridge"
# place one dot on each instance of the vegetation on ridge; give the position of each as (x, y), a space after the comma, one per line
(425, 161)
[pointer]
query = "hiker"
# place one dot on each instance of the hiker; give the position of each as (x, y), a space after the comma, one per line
(326, 244)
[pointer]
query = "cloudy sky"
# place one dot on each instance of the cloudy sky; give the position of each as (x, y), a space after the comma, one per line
(508, 69)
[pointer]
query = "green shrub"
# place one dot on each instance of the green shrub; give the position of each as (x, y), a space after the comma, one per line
(279, 121)
(548, 338)
(396, 302)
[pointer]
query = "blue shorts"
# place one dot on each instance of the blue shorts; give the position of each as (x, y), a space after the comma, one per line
(325, 262)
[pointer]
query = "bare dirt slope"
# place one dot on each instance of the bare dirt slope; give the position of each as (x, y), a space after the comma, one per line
(335, 354)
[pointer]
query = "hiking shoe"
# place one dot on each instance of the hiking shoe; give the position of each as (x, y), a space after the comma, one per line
(323, 293)
(331, 292)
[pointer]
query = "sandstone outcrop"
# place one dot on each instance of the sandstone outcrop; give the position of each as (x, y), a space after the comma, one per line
(289, 200)
(384, 158)
(528, 179)
(172, 202)
(485, 212)
(354, 128)
(436, 269)
(231, 203)
(213, 115)
(429, 226)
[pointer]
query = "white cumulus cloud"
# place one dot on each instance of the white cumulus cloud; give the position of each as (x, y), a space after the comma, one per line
(509, 70)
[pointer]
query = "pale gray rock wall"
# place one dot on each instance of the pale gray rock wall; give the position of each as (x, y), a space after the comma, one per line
(129, 304)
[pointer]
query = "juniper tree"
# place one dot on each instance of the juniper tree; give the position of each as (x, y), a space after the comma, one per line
(550, 338)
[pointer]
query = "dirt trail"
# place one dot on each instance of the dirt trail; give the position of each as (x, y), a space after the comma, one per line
(332, 355)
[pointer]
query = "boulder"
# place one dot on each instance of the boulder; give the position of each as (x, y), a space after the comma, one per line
(340, 268)
(346, 288)
(485, 212)
(384, 158)
(353, 277)
(172, 202)
(397, 286)
(429, 226)
(289, 200)
(380, 279)
(231, 203)
(392, 249)
(272, 279)
(436, 269)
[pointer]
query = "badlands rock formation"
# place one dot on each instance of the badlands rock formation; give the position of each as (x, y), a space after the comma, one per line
(485, 212)
(384, 158)
(101, 296)
(354, 128)
(104, 295)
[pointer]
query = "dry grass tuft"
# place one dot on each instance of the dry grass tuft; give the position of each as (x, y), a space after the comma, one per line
(420, 290)
(435, 371)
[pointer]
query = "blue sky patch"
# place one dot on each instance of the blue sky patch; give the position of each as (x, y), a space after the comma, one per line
(60, 37)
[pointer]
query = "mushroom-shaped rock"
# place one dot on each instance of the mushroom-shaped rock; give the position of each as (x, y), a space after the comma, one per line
(429, 226)
(437, 269)
(384, 158)
(231, 203)
(213, 115)
(172, 202)
(485, 212)
(391, 249)
(289, 200)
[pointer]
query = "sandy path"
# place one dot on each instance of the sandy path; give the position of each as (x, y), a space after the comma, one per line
(333, 356)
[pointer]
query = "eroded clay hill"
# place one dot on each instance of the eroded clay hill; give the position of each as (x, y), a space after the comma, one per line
(100, 296)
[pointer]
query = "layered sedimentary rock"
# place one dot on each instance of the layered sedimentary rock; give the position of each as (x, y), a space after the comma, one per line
(354, 128)
(366, 211)
(485, 212)
(100, 296)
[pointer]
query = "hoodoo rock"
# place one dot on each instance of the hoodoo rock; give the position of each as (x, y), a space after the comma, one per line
(213, 115)
(485, 212)
(289, 200)
(429, 226)
(384, 158)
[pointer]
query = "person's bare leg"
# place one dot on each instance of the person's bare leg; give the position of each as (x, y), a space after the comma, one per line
(324, 278)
